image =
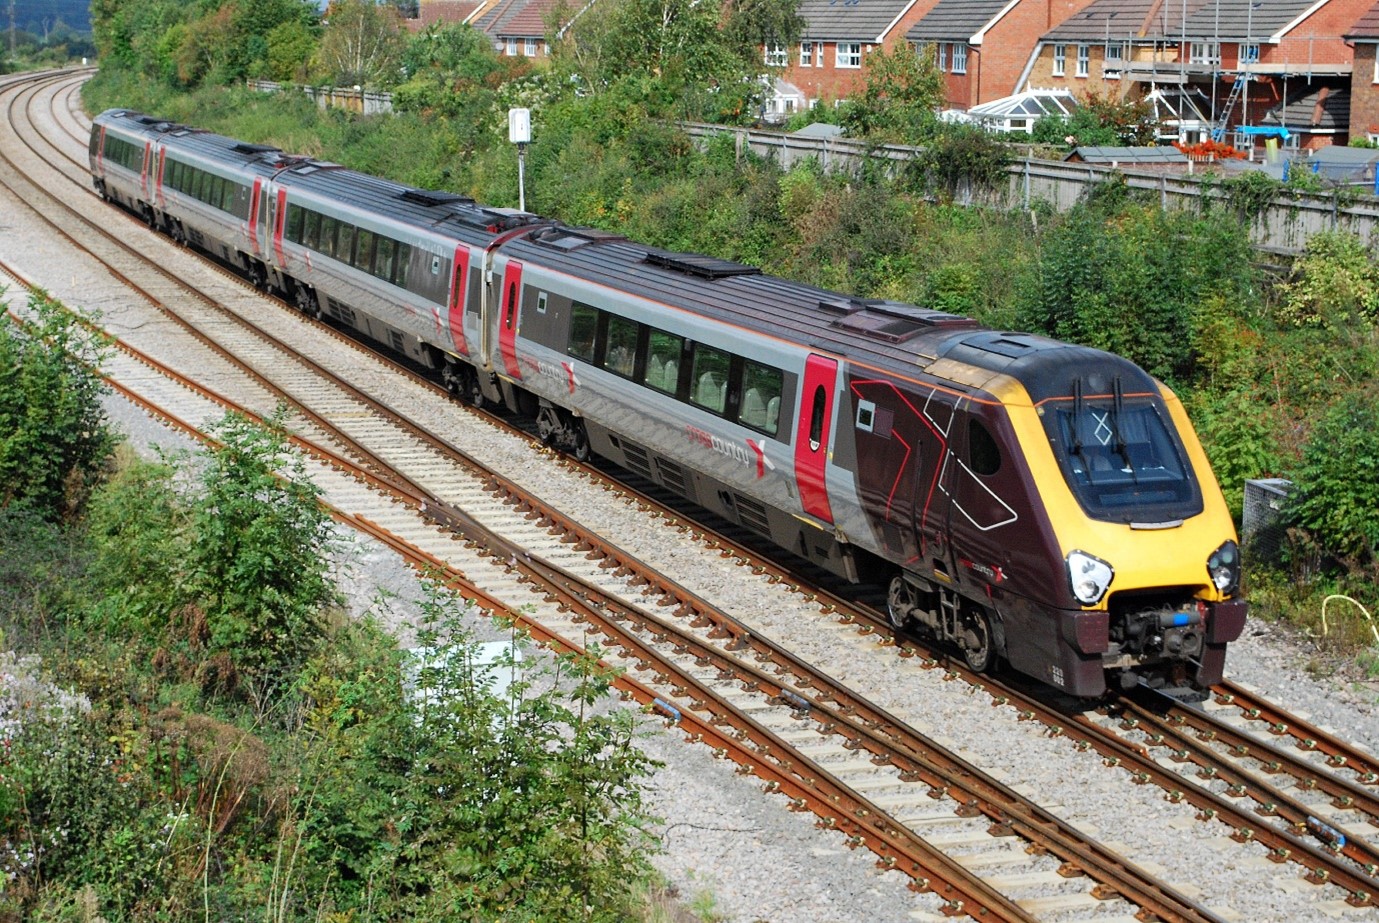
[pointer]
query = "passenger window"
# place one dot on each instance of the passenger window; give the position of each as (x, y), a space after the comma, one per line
(330, 227)
(383, 260)
(663, 361)
(984, 453)
(404, 259)
(621, 357)
(355, 247)
(293, 224)
(816, 419)
(761, 388)
(709, 378)
(311, 234)
(584, 325)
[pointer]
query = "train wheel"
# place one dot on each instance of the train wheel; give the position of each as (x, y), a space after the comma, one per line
(306, 301)
(475, 392)
(580, 451)
(258, 275)
(978, 641)
(900, 603)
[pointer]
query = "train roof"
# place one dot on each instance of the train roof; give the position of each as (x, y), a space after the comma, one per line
(900, 337)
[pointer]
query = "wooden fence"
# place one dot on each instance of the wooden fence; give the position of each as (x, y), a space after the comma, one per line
(1282, 226)
(355, 99)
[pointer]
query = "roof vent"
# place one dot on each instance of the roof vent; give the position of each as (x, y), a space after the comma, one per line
(563, 238)
(895, 321)
(694, 264)
(254, 148)
(431, 198)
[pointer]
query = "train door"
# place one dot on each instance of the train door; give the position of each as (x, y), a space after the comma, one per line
(933, 485)
(459, 285)
(258, 219)
(509, 301)
(812, 435)
(146, 173)
(158, 177)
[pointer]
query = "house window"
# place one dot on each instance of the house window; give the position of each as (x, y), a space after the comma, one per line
(1376, 64)
(776, 56)
(1115, 59)
(849, 54)
(1204, 53)
(1249, 54)
(512, 48)
(942, 56)
(529, 48)
(959, 57)
(818, 54)
(806, 54)
(1084, 59)
(1060, 59)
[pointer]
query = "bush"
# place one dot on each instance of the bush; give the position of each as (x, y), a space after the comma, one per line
(1337, 480)
(53, 434)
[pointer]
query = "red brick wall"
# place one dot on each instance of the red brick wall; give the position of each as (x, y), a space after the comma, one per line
(1364, 92)
(995, 66)
(830, 83)
(1318, 38)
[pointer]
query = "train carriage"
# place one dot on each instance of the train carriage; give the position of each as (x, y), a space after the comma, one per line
(1026, 500)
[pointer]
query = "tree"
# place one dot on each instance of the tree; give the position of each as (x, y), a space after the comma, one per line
(1132, 279)
(1338, 479)
(54, 439)
(669, 53)
(258, 565)
(362, 44)
(902, 92)
(1334, 284)
(751, 25)
(1100, 120)
(461, 800)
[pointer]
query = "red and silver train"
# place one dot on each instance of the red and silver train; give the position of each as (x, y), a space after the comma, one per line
(1026, 500)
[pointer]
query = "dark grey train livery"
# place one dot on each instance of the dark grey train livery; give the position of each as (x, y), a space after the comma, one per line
(1027, 500)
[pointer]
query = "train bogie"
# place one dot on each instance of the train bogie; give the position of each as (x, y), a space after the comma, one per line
(1027, 501)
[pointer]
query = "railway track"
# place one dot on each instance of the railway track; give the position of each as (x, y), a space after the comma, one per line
(914, 802)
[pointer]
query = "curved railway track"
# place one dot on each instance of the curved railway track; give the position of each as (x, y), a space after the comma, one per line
(981, 847)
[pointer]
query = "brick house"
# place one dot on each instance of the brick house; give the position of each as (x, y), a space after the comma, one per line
(983, 46)
(827, 63)
(517, 27)
(1088, 51)
(1260, 62)
(1364, 76)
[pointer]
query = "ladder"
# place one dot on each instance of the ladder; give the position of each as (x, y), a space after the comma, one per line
(1218, 131)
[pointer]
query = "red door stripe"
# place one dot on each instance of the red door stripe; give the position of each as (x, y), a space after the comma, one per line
(278, 228)
(459, 284)
(815, 419)
(507, 322)
(254, 214)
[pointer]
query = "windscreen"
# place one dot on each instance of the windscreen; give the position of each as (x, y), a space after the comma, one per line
(1123, 460)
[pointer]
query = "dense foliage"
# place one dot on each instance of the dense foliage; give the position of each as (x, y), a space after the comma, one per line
(239, 751)
(53, 441)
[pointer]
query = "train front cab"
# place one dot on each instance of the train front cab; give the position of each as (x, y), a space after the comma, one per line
(1147, 597)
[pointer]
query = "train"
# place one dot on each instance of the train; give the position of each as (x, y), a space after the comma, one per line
(1032, 504)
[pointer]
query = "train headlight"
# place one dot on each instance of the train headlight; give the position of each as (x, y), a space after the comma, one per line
(1089, 577)
(1224, 568)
